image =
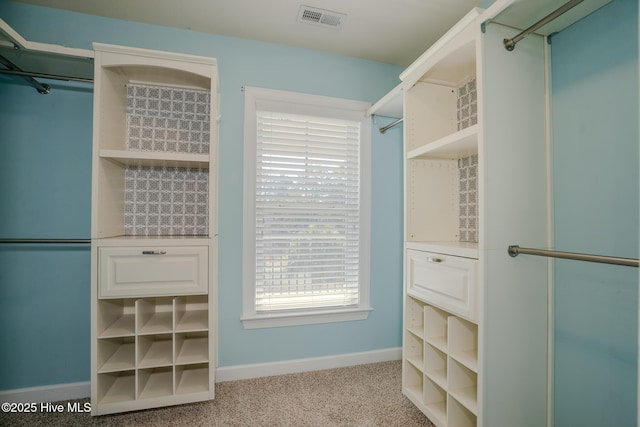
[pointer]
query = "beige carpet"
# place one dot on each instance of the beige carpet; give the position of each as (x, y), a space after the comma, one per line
(362, 396)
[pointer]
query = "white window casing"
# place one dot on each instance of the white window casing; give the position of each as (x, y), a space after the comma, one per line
(306, 209)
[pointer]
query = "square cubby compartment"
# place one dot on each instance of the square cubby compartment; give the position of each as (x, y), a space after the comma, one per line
(414, 316)
(463, 342)
(155, 315)
(116, 318)
(157, 382)
(116, 354)
(192, 348)
(435, 327)
(192, 378)
(435, 365)
(192, 313)
(412, 381)
(413, 350)
(116, 387)
(460, 416)
(155, 350)
(435, 399)
(463, 385)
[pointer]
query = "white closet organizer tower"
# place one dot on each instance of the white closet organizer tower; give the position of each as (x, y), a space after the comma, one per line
(475, 340)
(154, 229)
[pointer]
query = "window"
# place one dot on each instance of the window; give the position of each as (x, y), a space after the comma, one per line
(306, 209)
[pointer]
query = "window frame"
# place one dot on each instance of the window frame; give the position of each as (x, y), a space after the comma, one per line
(301, 103)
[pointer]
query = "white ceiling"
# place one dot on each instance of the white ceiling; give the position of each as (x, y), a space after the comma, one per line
(390, 31)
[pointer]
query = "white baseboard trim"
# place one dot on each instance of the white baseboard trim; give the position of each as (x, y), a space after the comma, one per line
(48, 393)
(58, 392)
(242, 372)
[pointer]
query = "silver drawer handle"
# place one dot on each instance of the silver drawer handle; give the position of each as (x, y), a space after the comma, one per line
(154, 252)
(432, 259)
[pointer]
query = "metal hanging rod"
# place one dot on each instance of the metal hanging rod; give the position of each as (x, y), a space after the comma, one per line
(28, 76)
(45, 240)
(46, 76)
(510, 44)
(14, 69)
(515, 250)
(390, 125)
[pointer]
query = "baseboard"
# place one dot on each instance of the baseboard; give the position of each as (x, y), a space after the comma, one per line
(59, 392)
(49, 393)
(242, 372)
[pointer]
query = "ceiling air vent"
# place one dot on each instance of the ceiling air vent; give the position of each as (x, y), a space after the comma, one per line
(324, 18)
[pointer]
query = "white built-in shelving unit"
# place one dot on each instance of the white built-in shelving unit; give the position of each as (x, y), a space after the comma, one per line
(154, 229)
(475, 342)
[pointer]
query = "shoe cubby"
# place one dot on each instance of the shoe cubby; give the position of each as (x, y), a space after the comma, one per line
(463, 342)
(152, 349)
(412, 382)
(116, 387)
(463, 385)
(191, 313)
(155, 350)
(414, 349)
(435, 402)
(116, 354)
(458, 415)
(414, 316)
(116, 318)
(435, 327)
(440, 366)
(156, 382)
(155, 315)
(435, 362)
(192, 378)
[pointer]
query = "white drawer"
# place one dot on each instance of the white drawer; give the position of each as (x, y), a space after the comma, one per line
(445, 281)
(152, 271)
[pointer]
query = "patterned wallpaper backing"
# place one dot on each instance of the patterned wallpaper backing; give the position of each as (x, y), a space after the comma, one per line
(467, 104)
(163, 200)
(468, 173)
(468, 166)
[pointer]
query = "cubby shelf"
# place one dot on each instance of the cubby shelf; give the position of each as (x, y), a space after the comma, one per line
(432, 374)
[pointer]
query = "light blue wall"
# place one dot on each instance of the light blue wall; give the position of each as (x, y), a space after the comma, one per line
(45, 150)
(595, 151)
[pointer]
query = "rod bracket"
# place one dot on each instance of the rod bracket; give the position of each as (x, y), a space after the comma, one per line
(513, 250)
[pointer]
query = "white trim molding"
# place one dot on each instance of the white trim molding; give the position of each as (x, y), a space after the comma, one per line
(47, 393)
(311, 317)
(243, 372)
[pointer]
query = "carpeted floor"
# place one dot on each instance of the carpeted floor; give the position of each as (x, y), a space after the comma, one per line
(358, 396)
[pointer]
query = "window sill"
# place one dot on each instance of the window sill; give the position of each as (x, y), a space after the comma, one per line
(275, 320)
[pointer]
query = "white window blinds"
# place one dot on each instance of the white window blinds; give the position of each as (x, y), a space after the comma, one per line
(307, 212)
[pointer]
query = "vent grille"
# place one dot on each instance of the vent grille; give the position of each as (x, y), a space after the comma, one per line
(324, 18)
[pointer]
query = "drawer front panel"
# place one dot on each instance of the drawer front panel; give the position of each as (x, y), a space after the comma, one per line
(142, 271)
(445, 281)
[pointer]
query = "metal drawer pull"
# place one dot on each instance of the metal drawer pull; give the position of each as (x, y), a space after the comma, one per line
(432, 259)
(154, 252)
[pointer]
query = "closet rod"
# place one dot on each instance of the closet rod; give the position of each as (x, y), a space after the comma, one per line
(46, 76)
(510, 44)
(514, 250)
(14, 69)
(45, 240)
(390, 125)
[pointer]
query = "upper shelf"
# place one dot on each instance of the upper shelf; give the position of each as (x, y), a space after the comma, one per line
(520, 14)
(44, 58)
(389, 105)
